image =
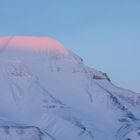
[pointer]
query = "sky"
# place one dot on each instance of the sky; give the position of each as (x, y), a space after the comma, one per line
(105, 33)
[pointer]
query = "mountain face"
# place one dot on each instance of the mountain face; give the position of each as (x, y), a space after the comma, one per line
(47, 93)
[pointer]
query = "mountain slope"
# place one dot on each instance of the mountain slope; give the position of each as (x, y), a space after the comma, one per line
(46, 86)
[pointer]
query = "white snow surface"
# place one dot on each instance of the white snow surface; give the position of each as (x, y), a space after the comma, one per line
(47, 93)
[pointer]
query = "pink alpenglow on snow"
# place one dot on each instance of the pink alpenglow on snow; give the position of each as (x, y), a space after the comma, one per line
(32, 43)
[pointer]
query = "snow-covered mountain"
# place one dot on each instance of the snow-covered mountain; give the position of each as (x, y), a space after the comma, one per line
(47, 93)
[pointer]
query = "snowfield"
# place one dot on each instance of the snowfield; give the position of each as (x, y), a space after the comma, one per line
(47, 93)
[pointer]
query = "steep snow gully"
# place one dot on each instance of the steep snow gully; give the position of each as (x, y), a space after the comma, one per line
(47, 93)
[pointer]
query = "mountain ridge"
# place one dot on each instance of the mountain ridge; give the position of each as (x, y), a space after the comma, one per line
(55, 92)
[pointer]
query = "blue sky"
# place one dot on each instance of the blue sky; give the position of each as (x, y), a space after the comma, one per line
(106, 33)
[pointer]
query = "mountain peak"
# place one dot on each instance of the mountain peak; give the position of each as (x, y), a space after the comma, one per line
(32, 43)
(47, 93)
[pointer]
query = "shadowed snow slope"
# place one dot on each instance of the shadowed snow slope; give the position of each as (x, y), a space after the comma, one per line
(48, 93)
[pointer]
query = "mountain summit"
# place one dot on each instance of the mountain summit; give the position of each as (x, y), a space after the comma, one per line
(32, 43)
(47, 93)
